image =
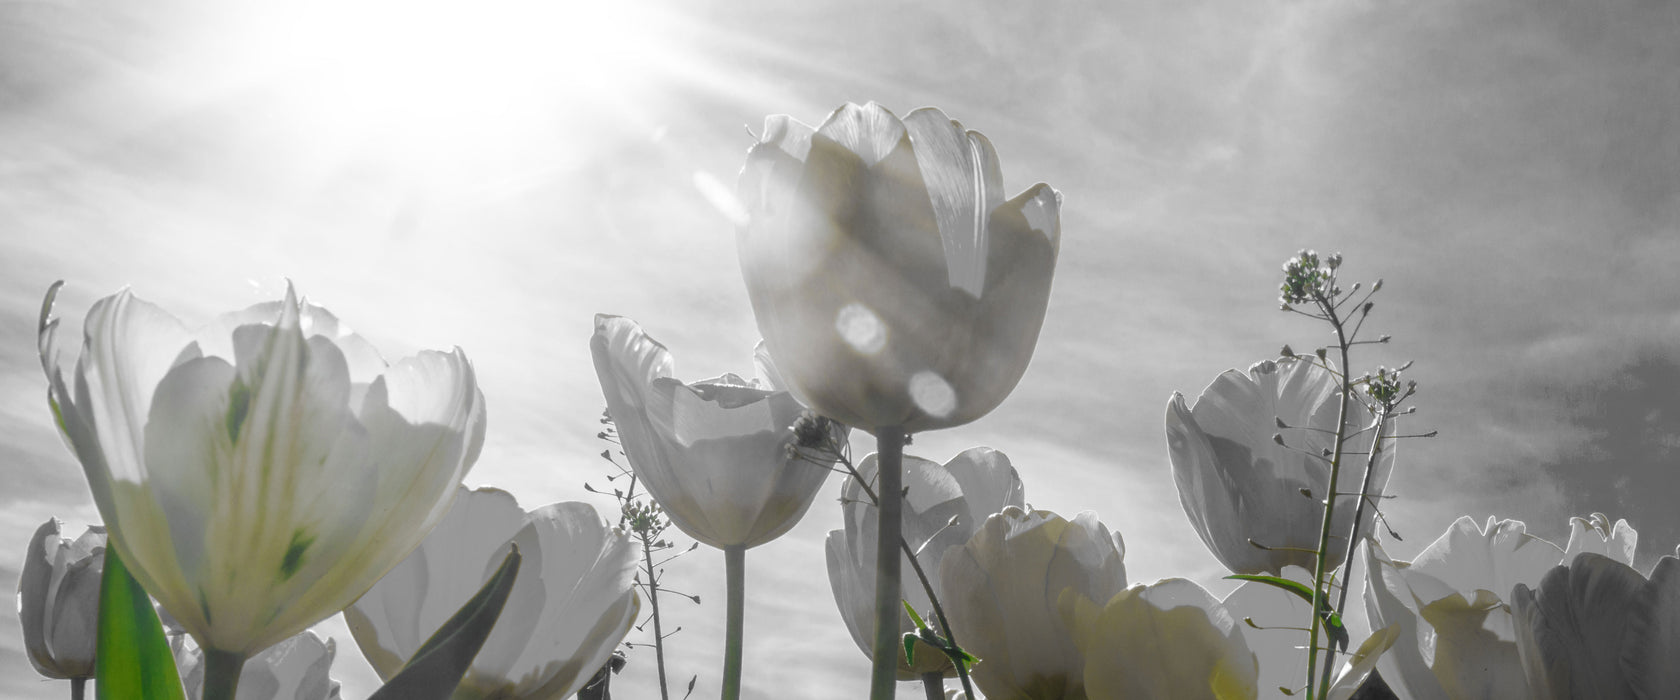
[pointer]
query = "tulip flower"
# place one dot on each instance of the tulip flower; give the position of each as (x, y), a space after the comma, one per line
(897, 288)
(1238, 484)
(946, 506)
(570, 606)
(720, 456)
(260, 475)
(891, 280)
(1453, 605)
(295, 669)
(1170, 639)
(1595, 628)
(1002, 590)
(58, 601)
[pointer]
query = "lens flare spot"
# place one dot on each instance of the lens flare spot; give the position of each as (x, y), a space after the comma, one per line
(933, 394)
(861, 328)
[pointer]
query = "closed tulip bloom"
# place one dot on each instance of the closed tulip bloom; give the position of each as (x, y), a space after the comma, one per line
(889, 276)
(259, 475)
(571, 604)
(1237, 483)
(295, 669)
(1596, 628)
(945, 506)
(1002, 590)
(58, 600)
(1453, 605)
(1170, 639)
(719, 455)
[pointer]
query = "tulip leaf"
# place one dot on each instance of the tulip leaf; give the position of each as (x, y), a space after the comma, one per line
(131, 657)
(910, 647)
(438, 666)
(1332, 620)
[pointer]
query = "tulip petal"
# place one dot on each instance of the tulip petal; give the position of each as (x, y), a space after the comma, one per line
(1275, 637)
(1167, 640)
(1493, 557)
(964, 184)
(1594, 534)
(1653, 637)
(585, 573)
(1569, 630)
(1389, 600)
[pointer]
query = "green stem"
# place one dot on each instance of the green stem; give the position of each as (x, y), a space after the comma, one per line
(1319, 601)
(1359, 510)
(653, 600)
(221, 673)
(78, 688)
(934, 684)
(735, 575)
(889, 455)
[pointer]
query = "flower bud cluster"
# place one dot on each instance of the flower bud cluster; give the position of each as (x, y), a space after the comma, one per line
(1306, 279)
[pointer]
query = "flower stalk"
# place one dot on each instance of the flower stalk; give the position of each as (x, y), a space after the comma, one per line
(78, 688)
(735, 575)
(889, 451)
(934, 684)
(221, 673)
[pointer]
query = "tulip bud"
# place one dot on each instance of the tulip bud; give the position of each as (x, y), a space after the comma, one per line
(58, 600)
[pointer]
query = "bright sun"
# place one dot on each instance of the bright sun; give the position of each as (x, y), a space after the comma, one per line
(428, 82)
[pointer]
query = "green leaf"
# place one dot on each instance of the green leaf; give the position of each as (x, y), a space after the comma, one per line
(913, 616)
(910, 647)
(437, 667)
(131, 657)
(1332, 621)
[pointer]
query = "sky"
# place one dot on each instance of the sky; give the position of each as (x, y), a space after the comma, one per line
(491, 175)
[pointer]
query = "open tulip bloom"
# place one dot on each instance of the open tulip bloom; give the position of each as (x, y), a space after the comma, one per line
(720, 456)
(261, 474)
(571, 604)
(1453, 604)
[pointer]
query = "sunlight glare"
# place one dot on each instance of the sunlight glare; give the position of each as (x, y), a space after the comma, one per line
(440, 80)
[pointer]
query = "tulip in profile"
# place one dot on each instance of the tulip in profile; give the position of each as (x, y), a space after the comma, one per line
(1238, 484)
(570, 606)
(1002, 590)
(897, 288)
(947, 503)
(259, 475)
(58, 601)
(717, 454)
(721, 456)
(1595, 628)
(890, 278)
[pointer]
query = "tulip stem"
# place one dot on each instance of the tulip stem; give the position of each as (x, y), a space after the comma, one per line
(735, 575)
(78, 688)
(889, 455)
(221, 673)
(934, 684)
